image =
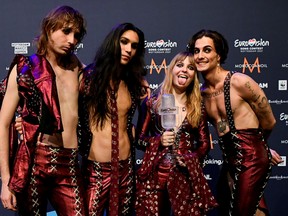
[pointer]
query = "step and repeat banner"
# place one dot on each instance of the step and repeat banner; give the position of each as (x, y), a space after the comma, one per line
(256, 31)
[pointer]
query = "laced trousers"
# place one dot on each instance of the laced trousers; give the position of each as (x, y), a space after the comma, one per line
(249, 167)
(56, 178)
(97, 177)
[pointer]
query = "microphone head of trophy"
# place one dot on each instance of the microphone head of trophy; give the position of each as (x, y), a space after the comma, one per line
(168, 111)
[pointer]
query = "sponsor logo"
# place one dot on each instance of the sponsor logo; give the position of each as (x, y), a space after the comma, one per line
(160, 46)
(278, 102)
(284, 161)
(284, 141)
(263, 85)
(252, 45)
(79, 46)
(282, 85)
(284, 118)
(20, 48)
(285, 65)
(279, 177)
(251, 67)
(213, 162)
(157, 67)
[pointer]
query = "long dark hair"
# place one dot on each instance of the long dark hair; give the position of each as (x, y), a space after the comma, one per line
(108, 71)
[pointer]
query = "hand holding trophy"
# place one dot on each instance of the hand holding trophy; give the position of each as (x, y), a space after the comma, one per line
(168, 112)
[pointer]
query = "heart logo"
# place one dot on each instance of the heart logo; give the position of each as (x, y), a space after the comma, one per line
(159, 43)
(251, 42)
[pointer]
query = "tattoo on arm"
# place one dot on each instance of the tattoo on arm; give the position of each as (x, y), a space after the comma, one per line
(254, 95)
(261, 104)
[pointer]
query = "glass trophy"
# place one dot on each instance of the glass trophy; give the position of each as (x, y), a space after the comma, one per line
(168, 112)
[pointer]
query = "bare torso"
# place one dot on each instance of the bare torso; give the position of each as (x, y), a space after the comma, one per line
(68, 89)
(101, 140)
(244, 116)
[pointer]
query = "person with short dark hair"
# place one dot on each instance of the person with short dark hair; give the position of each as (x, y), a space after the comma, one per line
(243, 118)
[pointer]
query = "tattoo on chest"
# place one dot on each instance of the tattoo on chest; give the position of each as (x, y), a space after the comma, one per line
(221, 125)
(213, 94)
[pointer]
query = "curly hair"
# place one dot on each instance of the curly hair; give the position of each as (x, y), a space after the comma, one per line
(220, 43)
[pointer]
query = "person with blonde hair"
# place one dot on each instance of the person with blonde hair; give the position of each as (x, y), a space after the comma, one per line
(174, 183)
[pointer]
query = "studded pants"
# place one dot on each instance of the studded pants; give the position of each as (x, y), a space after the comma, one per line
(98, 182)
(248, 163)
(55, 178)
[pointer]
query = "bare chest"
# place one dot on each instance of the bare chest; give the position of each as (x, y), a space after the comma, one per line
(67, 85)
(215, 105)
(124, 101)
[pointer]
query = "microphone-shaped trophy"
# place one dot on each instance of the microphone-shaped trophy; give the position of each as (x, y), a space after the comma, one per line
(168, 112)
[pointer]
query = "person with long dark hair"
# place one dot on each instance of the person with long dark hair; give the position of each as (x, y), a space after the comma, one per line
(43, 88)
(174, 183)
(110, 91)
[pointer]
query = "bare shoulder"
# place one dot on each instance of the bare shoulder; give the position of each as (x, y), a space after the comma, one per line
(242, 82)
(246, 87)
(240, 79)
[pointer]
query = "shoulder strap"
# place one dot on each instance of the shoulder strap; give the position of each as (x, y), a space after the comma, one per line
(228, 102)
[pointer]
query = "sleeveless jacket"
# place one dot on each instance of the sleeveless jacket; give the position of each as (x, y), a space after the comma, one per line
(38, 104)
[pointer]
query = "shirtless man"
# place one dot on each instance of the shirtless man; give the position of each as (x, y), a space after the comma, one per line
(44, 89)
(242, 116)
(110, 90)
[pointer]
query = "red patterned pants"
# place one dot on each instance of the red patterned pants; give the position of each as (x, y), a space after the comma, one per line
(56, 178)
(97, 180)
